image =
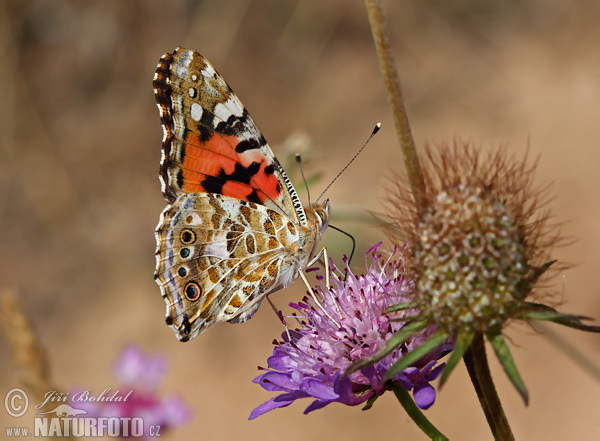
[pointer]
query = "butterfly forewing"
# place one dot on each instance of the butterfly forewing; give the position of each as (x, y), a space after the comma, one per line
(211, 144)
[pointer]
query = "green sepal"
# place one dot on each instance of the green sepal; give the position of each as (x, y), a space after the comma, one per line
(370, 402)
(399, 307)
(416, 354)
(407, 319)
(538, 311)
(507, 362)
(524, 286)
(413, 411)
(463, 341)
(396, 340)
(537, 273)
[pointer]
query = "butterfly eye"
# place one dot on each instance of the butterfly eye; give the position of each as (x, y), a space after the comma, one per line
(323, 216)
(192, 291)
(187, 237)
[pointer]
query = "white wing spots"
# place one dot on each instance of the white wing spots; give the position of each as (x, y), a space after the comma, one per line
(182, 63)
(157, 234)
(221, 112)
(171, 182)
(178, 115)
(193, 219)
(163, 185)
(224, 110)
(194, 77)
(208, 71)
(217, 249)
(235, 106)
(196, 111)
(208, 89)
(160, 111)
(192, 92)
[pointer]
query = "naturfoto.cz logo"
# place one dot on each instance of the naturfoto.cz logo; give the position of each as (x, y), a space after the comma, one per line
(65, 420)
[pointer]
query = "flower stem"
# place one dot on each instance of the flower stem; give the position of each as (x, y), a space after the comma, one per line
(392, 84)
(479, 371)
(415, 413)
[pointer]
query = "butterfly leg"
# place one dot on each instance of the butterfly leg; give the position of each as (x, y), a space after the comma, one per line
(323, 252)
(315, 259)
(281, 318)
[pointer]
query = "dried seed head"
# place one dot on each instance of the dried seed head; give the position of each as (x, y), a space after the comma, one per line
(478, 239)
(469, 259)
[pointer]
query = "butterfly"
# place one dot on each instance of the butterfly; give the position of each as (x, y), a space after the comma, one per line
(234, 229)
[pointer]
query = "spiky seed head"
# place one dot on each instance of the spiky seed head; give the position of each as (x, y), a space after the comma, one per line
(476, 241)
(469, 259)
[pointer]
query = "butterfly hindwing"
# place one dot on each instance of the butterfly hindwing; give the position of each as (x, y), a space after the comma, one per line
(215, 264)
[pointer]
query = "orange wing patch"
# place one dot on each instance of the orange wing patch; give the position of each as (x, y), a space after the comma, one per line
(213, 166)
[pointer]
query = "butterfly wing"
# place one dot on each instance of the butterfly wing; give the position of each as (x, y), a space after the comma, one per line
(219, 257)
(234, 229)
(210, 142)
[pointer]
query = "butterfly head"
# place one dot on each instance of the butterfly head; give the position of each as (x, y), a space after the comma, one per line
(320, 216)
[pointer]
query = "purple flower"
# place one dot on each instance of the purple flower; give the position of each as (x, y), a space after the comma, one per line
(347, 325)
(139, 376)
(134, 368)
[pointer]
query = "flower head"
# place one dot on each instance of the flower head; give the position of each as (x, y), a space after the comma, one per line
(141, 374)
(479, 241)
(478, 246)
(342, 326)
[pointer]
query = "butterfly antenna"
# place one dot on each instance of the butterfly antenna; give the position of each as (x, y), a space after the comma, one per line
(351, 238)
(299, 161)
(375, 130)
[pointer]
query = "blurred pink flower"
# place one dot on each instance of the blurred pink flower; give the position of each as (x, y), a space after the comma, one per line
(141, 375)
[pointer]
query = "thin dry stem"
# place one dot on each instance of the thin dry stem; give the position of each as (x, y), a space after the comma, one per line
(479, 371)
(392, 84)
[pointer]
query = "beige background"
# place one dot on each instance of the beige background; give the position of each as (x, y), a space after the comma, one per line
(79, 192)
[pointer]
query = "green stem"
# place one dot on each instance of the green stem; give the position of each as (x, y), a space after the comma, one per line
(392, 84)
(479, 371)
(415, 413)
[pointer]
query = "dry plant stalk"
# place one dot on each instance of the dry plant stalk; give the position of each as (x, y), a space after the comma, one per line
(28, 353)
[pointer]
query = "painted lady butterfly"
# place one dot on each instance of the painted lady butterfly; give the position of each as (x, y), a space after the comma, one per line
(234, 230)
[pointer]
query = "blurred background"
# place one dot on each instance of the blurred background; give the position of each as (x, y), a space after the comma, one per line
(80, 141)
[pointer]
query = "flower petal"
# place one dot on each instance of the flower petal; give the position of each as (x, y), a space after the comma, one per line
(291, 396)
(313, 360)
(436, 372)
(372, 374)
(276, 381)
(424, 396)
(318, 389)
(343, 387)
(266, 407)
(316, 405)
